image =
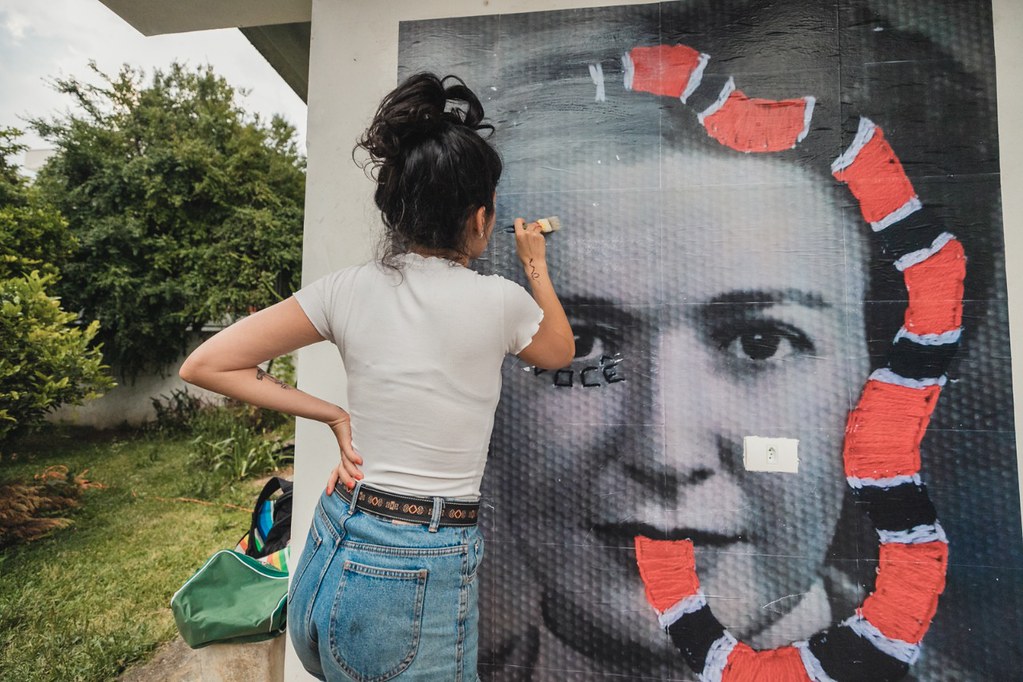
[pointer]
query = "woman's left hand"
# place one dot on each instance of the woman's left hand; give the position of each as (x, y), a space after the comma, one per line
(347, 471)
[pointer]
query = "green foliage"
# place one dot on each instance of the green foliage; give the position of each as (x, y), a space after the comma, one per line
(33, 235)
(240, 455)
(46, 361)
(185, 209)
(177, 412)
(86, 603)
(232, 441)
(47, 358)
(236, 441)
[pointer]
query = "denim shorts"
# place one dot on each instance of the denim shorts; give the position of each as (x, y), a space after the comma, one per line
(374, 600)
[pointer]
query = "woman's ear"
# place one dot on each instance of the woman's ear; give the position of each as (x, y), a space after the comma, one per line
(481, 219)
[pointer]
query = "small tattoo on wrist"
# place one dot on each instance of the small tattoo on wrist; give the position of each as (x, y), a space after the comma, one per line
(532, 270)
(260, 374)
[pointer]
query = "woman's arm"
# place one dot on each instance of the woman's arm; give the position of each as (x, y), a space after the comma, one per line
(228, 363)
(553, 345)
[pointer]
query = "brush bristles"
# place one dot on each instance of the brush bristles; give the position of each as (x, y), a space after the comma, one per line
(547, 225)
(552, 224)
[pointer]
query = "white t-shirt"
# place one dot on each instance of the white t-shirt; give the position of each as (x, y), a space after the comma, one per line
(422, 348)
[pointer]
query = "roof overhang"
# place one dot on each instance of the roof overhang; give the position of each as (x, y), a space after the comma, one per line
(155, 17)
(279, 29)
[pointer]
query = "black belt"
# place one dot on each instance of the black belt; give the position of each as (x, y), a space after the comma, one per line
(411, 508)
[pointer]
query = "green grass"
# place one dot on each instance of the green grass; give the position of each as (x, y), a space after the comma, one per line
(89, 601)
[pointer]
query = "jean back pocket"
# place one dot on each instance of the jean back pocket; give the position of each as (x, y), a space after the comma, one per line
(376, 620)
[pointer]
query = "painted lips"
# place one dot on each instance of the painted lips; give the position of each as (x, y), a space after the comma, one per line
(622, 536)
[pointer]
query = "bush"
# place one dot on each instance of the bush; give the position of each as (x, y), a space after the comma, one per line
(46, 360)
(185, 209)
(178, 411)
(233, 441)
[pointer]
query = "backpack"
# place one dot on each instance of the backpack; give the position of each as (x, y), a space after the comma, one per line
(269, 531)
(241, 595)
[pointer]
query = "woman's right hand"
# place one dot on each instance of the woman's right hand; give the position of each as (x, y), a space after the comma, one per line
(553, 345)
(347, 471)
(531, 246)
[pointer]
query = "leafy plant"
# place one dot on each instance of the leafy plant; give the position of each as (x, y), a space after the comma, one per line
(48, 357)
(242, 454)
(231, 446)
(185, 210)
(46, 361)
(232, 441)
(178, 411)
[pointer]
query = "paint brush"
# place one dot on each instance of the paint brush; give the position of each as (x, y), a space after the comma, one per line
(547, 225)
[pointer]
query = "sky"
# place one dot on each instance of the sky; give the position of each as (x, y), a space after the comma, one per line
(44, 39)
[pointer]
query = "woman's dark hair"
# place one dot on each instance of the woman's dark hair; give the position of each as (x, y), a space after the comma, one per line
(432, 168)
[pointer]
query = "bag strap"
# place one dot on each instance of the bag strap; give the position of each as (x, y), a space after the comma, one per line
(271, 487)
(279, 534)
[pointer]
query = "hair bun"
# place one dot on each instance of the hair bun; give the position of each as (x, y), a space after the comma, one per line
(423, 106)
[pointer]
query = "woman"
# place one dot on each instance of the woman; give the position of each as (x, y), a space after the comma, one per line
(714, 295)
(386, 586)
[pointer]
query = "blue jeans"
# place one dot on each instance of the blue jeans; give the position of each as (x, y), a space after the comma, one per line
(372, 599)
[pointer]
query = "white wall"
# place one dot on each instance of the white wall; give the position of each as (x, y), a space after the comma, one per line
(349, 73)
(130, 402)
(1008, 16)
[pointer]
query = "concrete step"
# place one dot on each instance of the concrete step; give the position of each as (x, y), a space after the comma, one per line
(176, 662)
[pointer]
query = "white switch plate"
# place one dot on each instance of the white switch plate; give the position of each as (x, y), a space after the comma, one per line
(770, 454)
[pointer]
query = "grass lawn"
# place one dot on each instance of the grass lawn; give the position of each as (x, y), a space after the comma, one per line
(89, 601)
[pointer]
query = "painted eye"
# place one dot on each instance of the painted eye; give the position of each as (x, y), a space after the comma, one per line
(589, 345)
(594, 340)
(762, 343)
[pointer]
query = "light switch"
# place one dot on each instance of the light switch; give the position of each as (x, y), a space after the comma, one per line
(770, 454)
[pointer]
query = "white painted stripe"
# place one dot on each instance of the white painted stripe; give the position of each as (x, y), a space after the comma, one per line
(807, 116)
(681, 608)
(813, 667)
(280, 603)
(887, 376)
(856, 482)
(863, 136)
(904, 211)
(915, 536)
(943, 339)
(695, 78)
(630, 70)
(920, 255)
(717, 658)
(896, 648)
(727, 90)
(597, 74)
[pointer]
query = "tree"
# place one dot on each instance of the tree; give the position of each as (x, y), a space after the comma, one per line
(47, 359)
(185, 209)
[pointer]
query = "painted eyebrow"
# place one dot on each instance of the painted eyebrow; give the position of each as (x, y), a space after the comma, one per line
(763, 298)
(579, 304)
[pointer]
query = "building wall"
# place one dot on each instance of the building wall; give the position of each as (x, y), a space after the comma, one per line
(130, 402)
(354, 61)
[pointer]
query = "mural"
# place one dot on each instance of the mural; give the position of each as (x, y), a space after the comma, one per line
(751, 194)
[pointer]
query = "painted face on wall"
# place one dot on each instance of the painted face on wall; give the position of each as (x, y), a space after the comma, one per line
(704, 312)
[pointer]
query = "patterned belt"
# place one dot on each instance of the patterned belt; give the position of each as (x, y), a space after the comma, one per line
(411, 508)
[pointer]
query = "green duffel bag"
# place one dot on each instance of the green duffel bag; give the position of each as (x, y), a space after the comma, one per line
(232, 598)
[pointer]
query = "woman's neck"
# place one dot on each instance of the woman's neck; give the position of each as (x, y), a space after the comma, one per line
(447, 254)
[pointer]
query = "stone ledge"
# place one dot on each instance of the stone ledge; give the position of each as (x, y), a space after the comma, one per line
(176, 662)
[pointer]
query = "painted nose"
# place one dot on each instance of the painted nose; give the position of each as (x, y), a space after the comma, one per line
(683, 442)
